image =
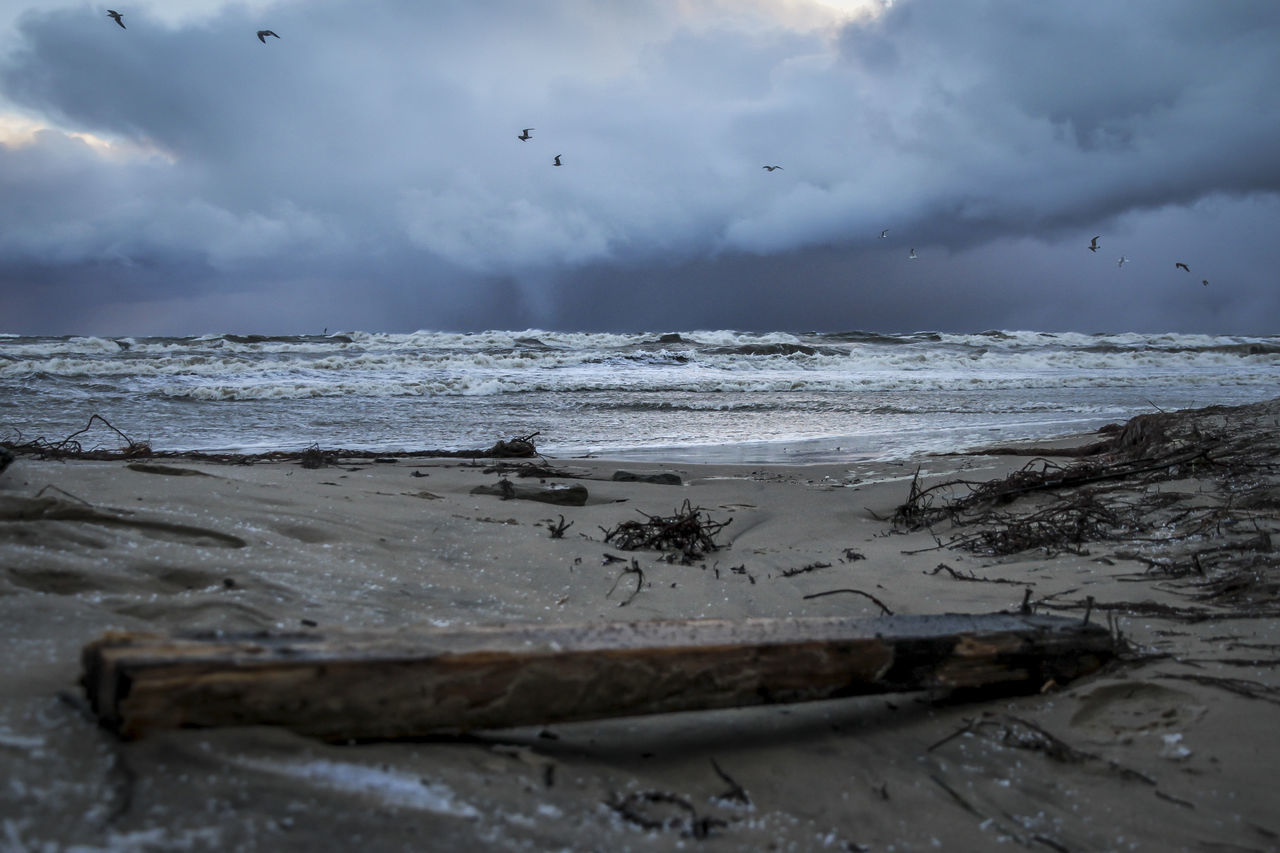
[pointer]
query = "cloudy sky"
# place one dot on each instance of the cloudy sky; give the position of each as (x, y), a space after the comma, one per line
(362, 171)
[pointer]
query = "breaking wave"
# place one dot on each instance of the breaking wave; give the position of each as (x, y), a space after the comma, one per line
(694, 387)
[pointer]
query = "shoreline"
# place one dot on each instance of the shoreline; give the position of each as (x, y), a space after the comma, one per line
(720, 397)
(828, 450)
(1172, 748)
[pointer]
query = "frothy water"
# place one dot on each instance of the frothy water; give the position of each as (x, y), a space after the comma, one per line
(691, 396)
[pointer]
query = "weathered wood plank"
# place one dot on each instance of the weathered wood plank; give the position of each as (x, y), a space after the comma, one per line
(340, 686)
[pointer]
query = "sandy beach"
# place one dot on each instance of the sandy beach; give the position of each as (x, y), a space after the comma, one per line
(1170, 748)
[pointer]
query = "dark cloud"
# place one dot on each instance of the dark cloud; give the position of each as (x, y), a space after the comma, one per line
(365, 165)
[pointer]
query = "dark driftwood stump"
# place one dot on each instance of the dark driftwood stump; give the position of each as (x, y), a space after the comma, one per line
(663, 478)
(574, 495)
(341, 686)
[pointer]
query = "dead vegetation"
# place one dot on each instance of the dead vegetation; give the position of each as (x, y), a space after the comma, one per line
(1020, 733)
(72, 446)
(1191, 495)
(659, 811)
(689, 532)
(633, 569)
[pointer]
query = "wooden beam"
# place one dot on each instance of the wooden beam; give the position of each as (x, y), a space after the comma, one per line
(340, 686)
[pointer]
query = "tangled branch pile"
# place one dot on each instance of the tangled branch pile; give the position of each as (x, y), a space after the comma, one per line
(689, 532)
(1190, 494)
(1064, 526)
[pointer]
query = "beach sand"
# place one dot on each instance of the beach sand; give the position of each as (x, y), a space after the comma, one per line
(1172, 748)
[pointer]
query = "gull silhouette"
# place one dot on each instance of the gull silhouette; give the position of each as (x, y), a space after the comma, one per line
(913, 256)
(1123, 260)
(262, 35)
(525, 137)
(1180, 265)
(770, 168)
(1093, 246)
(112, 13)
(557, 162)
(884, 233)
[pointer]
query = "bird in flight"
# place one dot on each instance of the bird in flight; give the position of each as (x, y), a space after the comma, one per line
(262, 35)
(557, 162)
(1123, 260)
(1180, 265)
(1093, 246)
(112, 13)
(525, 137)
(884, 233)
(913, 256)
(1205, 282)
(771, 168)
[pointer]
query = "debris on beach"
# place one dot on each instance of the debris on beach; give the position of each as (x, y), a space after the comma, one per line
(575, 495)
(1191, 495)
(633, 569)
(655, 811)
(521, 447)
(313, 457)
(341, 686)
(558, 528)
(661, 478)
(74, 447)
(690, 531)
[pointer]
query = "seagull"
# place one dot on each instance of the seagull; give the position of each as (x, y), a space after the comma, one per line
(770, 168)
(1123, 260)
(525, 137)
(112, 13)
(557, 163)
(913, 256)
(1205, 282)
(262, 35)
(1093, 247)
(884, 233)
(1180, 265)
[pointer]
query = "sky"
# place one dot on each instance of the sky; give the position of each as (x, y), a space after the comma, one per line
(362, 171)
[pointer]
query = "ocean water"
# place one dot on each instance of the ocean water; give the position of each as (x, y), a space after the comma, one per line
(717, 396)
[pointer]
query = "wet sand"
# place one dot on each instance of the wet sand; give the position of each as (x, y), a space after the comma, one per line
(1171, 748)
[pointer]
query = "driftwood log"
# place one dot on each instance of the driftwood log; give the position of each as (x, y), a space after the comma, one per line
(341, 686)
(574, 495)
(661, 478)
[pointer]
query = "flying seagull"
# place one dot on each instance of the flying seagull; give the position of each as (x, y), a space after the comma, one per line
(525, 137)
(884, 233)
(262, 35)
(913, 256)
(1093, 247)
(1123, 260)
(112, 13)
(1180, 265)
(770, 168)
(557, 163)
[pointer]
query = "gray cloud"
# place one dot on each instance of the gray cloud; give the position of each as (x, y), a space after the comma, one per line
(371, 151)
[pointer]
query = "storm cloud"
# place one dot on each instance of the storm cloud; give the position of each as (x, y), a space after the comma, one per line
(363, 171)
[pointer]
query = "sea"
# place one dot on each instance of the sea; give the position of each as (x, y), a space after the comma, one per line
(689, 396)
